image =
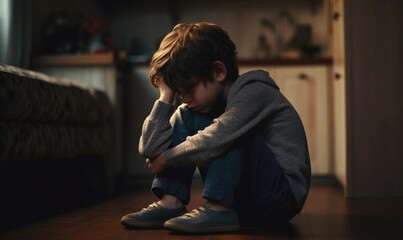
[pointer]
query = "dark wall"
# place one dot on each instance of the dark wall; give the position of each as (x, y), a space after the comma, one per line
(374, 97)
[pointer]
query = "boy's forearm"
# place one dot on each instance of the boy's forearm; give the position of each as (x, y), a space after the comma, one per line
(157, 131)
(241, 115)
(155, 139)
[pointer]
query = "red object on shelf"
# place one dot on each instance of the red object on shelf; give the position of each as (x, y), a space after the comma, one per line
(94, 26)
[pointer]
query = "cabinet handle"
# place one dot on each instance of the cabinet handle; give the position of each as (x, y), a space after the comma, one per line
(303, 76)
(337, 76)
(336, 16)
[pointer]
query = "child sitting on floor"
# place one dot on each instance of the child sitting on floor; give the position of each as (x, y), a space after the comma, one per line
(243, 134)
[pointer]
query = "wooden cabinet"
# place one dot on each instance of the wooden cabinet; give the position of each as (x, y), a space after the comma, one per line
(367, 96)
(307, 88)
(338, 82)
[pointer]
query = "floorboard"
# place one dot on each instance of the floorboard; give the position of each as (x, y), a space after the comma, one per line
(326, 215)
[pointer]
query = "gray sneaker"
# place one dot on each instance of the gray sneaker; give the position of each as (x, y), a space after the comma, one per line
(153, 216)
(204, 220)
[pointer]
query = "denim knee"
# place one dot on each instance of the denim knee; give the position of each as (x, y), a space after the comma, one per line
(177, 181)
(223, 176)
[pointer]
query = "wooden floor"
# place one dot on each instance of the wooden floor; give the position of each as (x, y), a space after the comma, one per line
(326, 215)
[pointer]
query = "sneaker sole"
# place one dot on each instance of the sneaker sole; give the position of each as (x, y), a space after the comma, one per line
(179, 227)
(130, 222)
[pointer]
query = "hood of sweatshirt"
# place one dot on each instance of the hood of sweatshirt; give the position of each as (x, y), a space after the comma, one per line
(252, 76)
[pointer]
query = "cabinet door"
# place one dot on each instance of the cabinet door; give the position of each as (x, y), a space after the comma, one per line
(307, 90)
(339, 93)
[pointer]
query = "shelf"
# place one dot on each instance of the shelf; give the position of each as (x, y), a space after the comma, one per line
(286, 61)
(268, 61)
(74, 59)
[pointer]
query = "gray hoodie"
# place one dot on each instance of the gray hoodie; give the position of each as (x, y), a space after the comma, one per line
(254, 98)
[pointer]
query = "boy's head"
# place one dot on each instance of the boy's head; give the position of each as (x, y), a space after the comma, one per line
(187, 54)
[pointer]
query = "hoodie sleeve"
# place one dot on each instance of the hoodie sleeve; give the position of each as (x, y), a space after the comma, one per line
(246, 109)
(157, 130)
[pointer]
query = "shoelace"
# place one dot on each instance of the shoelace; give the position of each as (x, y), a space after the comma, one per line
(151, 206)
(196, 212)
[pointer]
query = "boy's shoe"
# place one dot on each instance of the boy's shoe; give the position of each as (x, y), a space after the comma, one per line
(204, 220)
(153, 216)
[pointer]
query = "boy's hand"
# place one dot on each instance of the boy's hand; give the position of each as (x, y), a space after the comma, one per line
(166, 93)
(157, 165)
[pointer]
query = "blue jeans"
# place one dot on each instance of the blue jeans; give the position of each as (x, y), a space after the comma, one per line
(247, 177)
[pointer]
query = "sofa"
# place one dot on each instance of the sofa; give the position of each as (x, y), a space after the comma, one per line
(56, 139)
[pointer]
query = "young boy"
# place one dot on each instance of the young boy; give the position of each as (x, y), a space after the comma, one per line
(246, 138)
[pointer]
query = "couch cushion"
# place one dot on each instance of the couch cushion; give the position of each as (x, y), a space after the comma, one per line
(32, 141)
(32, 96)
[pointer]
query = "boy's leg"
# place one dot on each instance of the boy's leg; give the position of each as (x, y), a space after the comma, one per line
(264, 195)
(247, 177)
(173, 184)
(177, 181)
(220, 177)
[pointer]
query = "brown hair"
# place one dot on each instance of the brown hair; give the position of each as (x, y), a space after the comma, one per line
(187, 53)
